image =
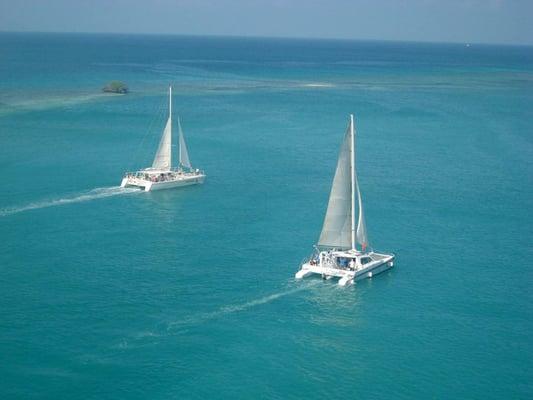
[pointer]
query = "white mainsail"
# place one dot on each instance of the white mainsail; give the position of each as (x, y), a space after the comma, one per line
(163, 157)
(183, 153)
(339, 229)
(336, 231)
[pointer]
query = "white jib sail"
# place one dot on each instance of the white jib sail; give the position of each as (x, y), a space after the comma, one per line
(360, 233)
(183, 153)
(336, 231)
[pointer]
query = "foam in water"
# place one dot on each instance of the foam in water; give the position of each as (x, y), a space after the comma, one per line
(318, 85)
(41, 103)
(146, 336)
(230, 309)
(98, 193)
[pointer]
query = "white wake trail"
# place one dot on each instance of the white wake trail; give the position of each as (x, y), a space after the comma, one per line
(98, 193)
(201, 318)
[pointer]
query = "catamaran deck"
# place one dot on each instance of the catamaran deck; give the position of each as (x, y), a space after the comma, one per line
(151, 179)
(347, 266)
(336, 253)
(161, 175)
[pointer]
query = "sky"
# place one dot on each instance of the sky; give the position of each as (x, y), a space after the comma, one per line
(464, 21)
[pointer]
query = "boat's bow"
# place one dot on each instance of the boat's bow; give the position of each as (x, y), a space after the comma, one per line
(342, 230)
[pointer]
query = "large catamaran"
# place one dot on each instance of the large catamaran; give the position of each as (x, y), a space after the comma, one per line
(336, 253)
(161, 175)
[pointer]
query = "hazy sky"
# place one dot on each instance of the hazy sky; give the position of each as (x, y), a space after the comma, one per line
(487, 21)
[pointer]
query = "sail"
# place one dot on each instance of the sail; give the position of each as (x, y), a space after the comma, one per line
(162, 158)
(336, 231)
(184, 154)
(360, 234)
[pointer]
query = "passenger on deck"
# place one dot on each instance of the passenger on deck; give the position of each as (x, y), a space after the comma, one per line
(343, 262)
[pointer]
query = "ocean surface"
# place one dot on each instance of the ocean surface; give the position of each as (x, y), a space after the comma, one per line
(189, 294)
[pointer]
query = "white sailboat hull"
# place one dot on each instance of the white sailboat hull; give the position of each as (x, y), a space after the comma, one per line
(347, 276)
(148, 186)
(161, 175)
(340, 232)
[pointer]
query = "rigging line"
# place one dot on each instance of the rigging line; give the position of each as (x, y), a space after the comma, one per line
(156, 121)
(156, 118)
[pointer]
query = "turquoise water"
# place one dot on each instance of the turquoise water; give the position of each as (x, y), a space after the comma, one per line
(107, 294)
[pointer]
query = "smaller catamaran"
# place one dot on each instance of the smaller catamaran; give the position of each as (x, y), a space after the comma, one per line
(161, 175)
(336, 254)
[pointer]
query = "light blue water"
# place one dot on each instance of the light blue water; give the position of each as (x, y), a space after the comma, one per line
(189, 293)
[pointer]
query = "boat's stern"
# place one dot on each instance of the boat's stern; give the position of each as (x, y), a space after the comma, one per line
(346, 277)
(132, 181)
(303, 272)
(349, 266)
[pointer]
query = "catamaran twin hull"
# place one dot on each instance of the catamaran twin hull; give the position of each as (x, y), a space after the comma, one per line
(161, 175)
(148, 186)
(382, 263)
(345, 228)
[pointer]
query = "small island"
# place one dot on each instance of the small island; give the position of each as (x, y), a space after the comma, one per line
(116, 87)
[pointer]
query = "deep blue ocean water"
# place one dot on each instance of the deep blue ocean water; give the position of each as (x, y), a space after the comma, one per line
(189, 294)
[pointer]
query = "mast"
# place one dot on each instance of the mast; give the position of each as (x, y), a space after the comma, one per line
(170, 123)
(352, 171)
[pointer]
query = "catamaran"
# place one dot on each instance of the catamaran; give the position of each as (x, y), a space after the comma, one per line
(161, 175)
(336, 253)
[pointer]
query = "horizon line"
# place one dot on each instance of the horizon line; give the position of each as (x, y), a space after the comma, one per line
(271, 37)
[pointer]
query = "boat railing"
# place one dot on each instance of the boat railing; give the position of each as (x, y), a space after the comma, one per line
(190, 171)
